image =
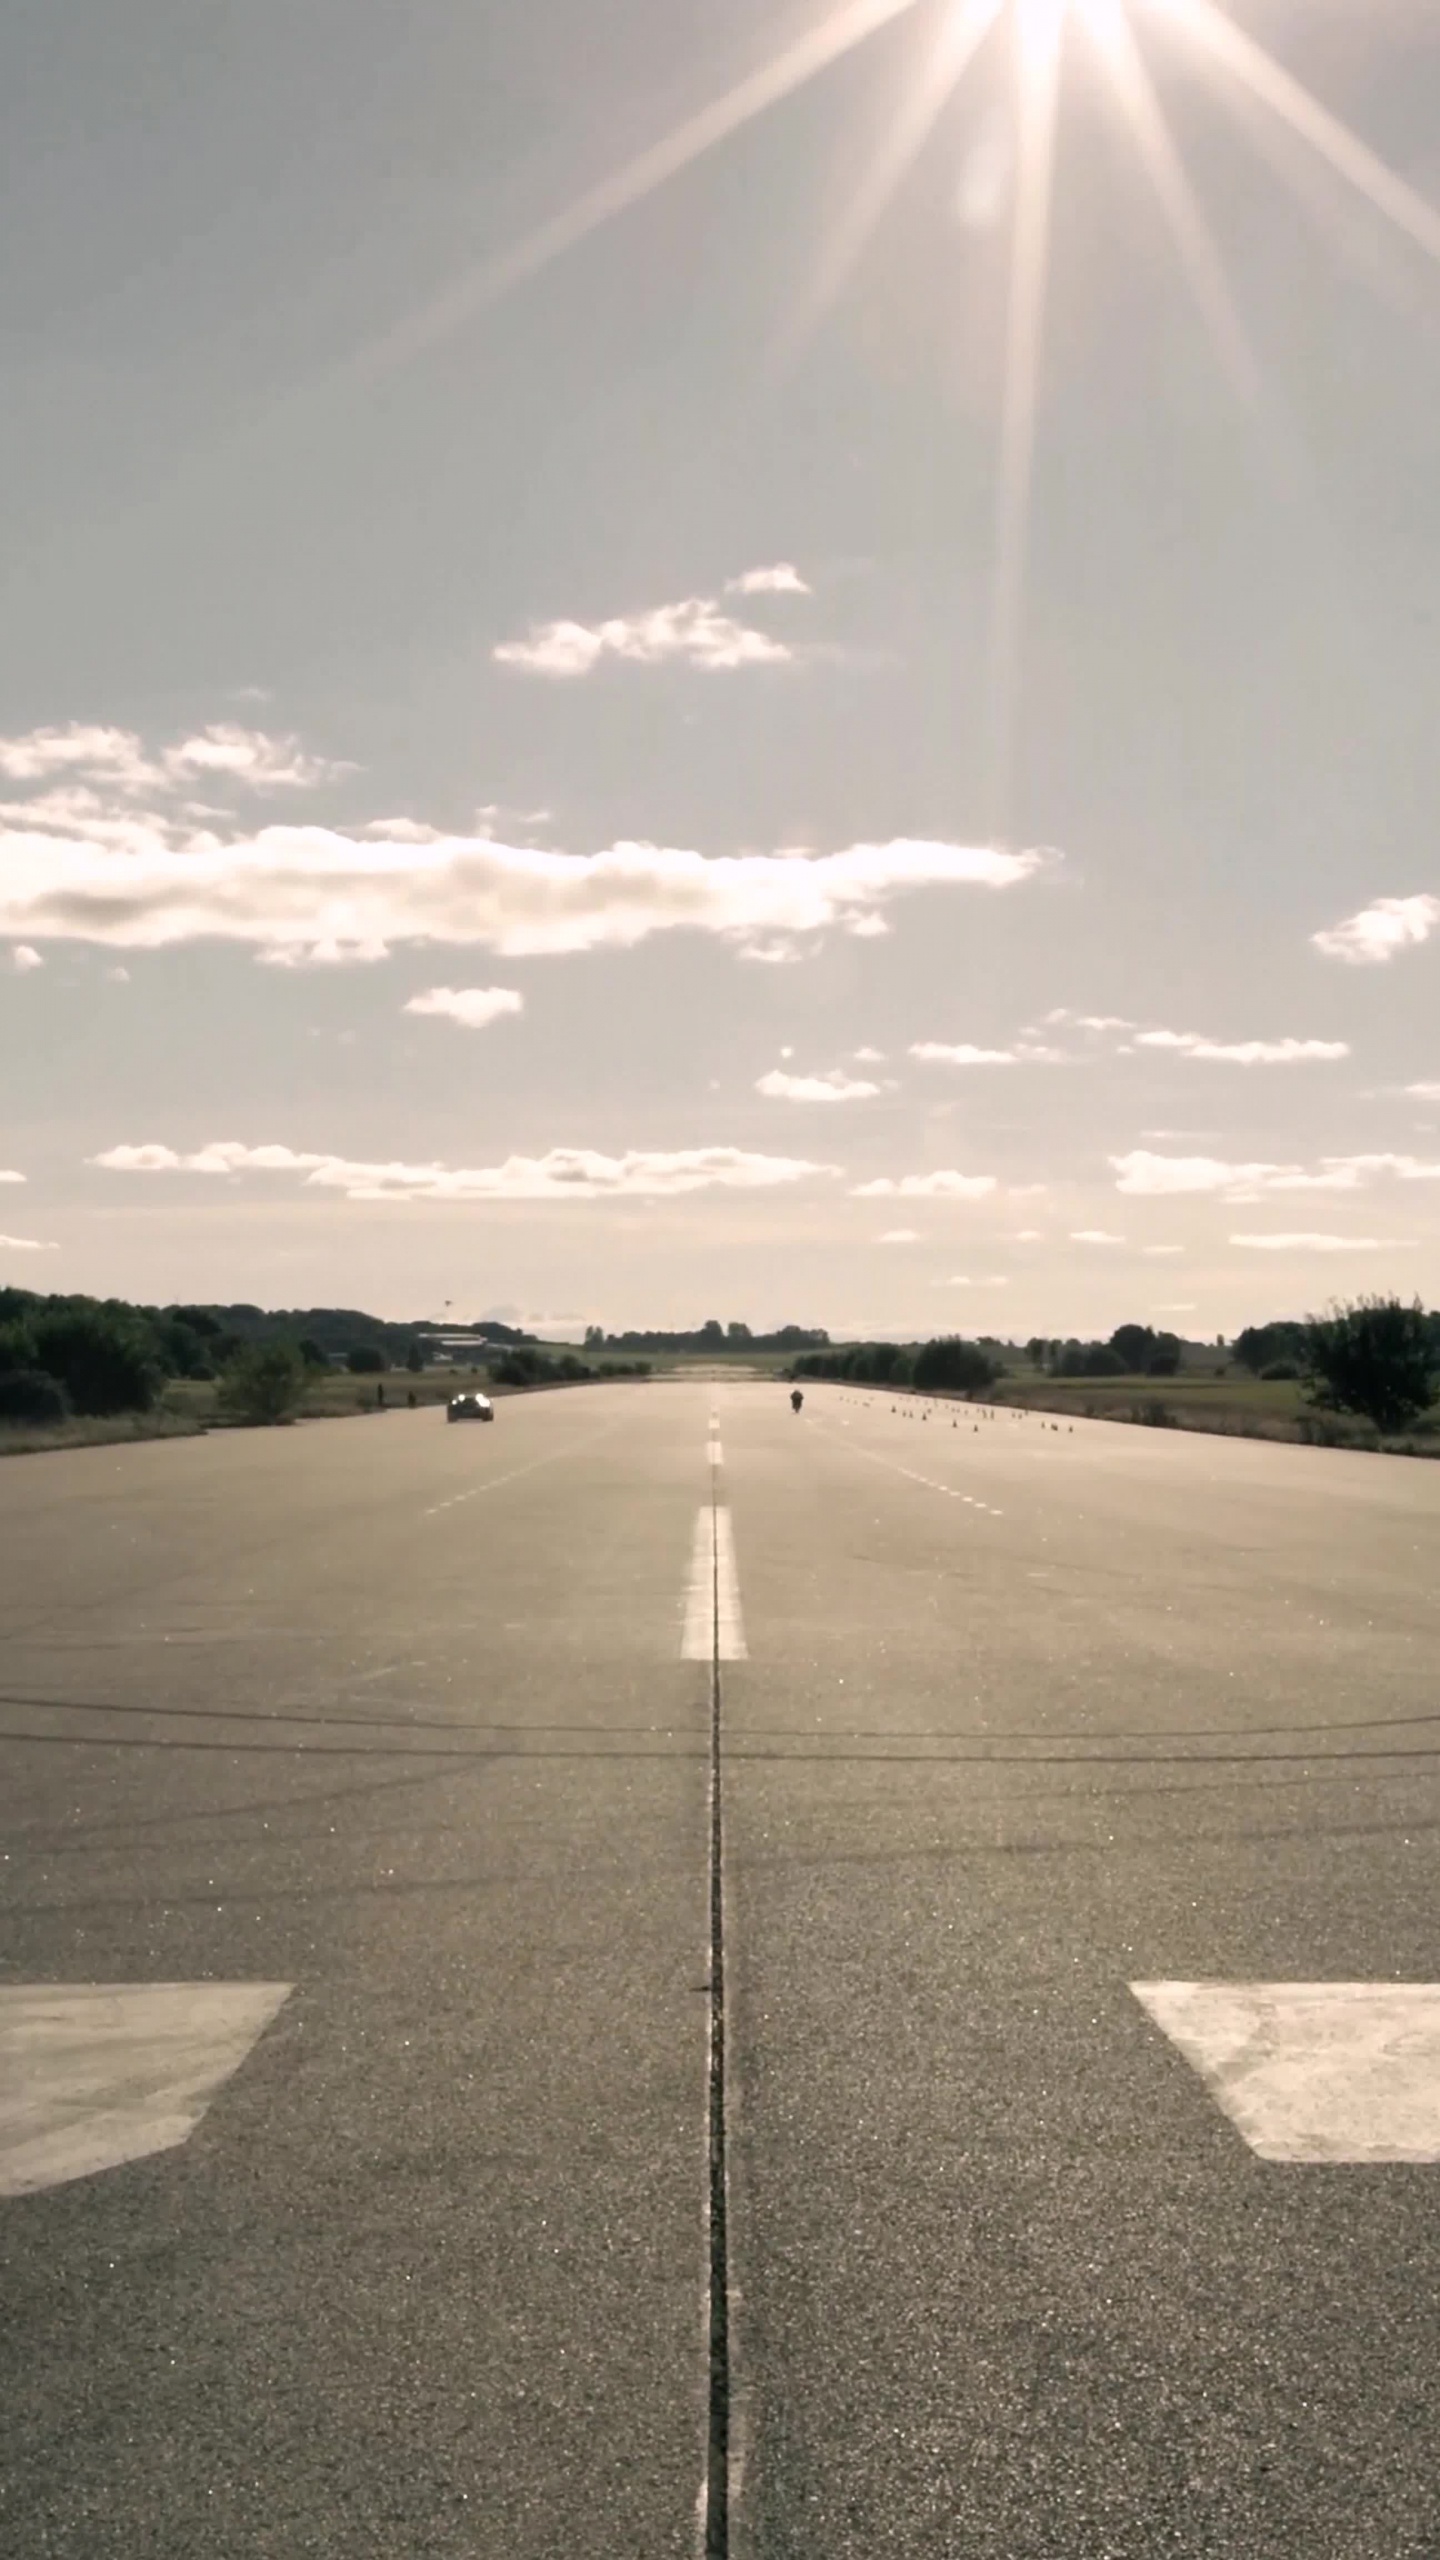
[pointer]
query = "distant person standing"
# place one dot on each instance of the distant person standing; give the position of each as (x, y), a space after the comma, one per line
(796, 1399)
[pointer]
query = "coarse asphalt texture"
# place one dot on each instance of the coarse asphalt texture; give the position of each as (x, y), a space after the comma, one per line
(397, 1713)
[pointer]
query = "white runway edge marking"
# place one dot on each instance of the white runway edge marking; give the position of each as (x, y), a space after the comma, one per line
(932, 1483)
(714, 1453)
(95, 2074)
(714, 1627)
(1314, 2071)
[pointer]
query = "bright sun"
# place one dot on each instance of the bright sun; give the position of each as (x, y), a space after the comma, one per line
(1040, 34)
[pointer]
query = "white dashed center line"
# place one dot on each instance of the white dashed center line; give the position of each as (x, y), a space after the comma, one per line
(714, 1628)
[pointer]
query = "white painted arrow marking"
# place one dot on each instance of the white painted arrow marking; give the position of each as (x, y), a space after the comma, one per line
(95, 2074)
(1314, 2071)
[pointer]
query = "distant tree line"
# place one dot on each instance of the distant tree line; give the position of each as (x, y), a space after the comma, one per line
(946, 1366)
(1132, 1350)
(711, 1336)
(1376, 1357)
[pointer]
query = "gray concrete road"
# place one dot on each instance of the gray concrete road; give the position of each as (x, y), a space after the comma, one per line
(398, 1715)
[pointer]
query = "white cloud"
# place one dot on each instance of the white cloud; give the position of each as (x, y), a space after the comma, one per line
(1325, 1244)
(81, 863)
(960, 1053)
(835, 1086)
(876, 1057)
(963, 1280)
(1378, 932)
(472, 1006)
(900, 1235)
(1030, 1235)
(27, 1244)
(12, 1177)
(928, 1186)
(565, 1173)
(118, 976)
(24, 958)
(117, 760)
(696, 632)
(1158, 1177)
(1243, 1053)
(781, 579)
(1424, 1092)
(262, 763)
(1094, 1235)
(1088, 1021)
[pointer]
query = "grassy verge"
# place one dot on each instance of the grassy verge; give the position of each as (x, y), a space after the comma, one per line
(1237, 1407)
(95, 1431)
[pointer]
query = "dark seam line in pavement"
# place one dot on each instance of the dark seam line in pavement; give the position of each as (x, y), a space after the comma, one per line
(374, 1722)
(400, 1721)
(798, 1759)
(328, 1750)
(717, 2466)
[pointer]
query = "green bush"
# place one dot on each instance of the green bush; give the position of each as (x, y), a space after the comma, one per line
(30, 1395)
(365, 1361)
(1375, 1357)
(104, 1360)
(959, 1368)
(263, 1383)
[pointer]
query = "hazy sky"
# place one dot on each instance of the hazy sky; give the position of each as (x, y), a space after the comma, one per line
(501, 781)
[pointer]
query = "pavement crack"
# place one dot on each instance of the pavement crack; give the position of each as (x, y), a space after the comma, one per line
(717, 2463)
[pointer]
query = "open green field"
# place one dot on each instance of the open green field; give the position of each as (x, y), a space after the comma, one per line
(1245, 1407)
(191, 1405)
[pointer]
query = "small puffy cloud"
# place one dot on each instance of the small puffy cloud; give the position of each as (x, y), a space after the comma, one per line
(963, 1280)
(474, 1007)
(1029, 1235)
(697, 632)
(1424, 1092)
(928, 1186)
(12, 1177)
(117, 759)
(1244, 1053)
(1379, 932)
(835, 1086)
(782, 579)
(119, 976)
(1324, 1244)
(875, 1058)
(1063, 1017)
(899, 1235)
(114, 755)
(27, 1244)
(24, 958)
(565, 1173)
(960, 1053)
(1094, 1235)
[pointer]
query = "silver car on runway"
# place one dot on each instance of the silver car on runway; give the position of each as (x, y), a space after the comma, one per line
(469, 1407)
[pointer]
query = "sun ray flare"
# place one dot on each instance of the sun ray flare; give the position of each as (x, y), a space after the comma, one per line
(1107, 22)
(1039, 39)
(1217, 34)
(792, 69)
(961, 34)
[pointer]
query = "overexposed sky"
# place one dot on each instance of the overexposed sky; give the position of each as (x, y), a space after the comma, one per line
(521, 781)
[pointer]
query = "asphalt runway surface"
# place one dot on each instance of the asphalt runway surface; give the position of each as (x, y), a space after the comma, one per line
(403, 1738)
